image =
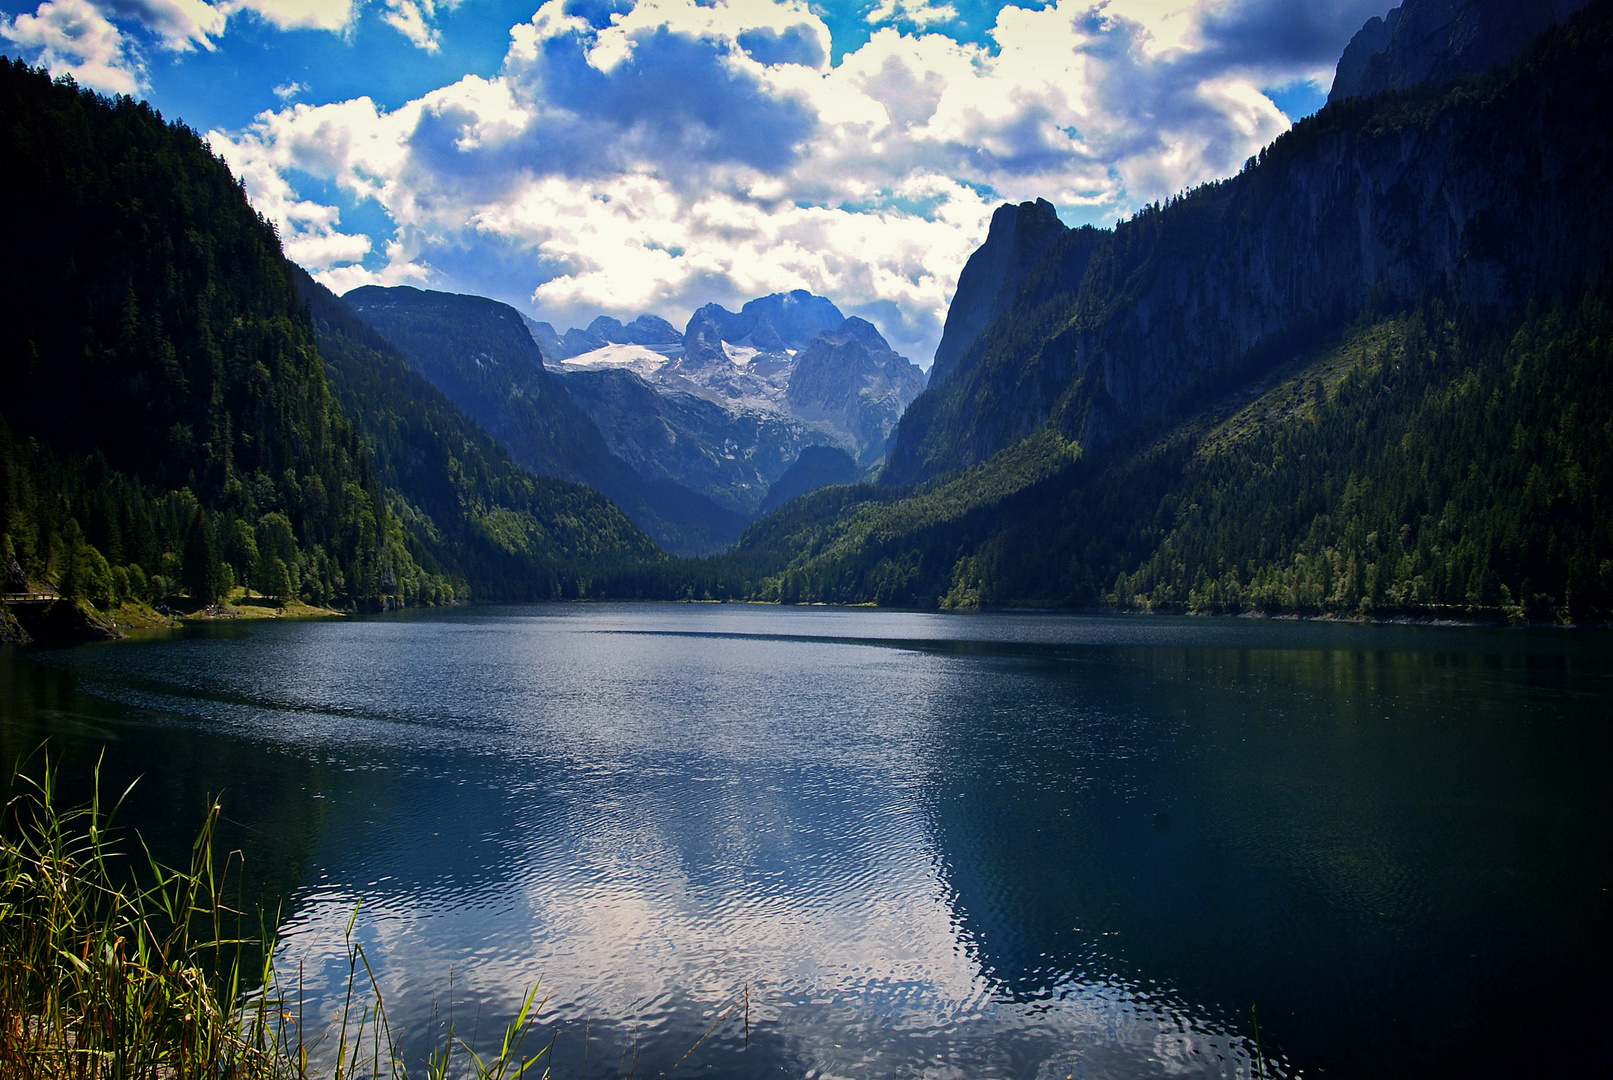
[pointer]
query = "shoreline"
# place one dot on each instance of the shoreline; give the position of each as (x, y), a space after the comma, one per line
(64, 624)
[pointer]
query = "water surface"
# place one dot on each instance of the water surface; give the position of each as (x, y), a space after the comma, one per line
(993, 845)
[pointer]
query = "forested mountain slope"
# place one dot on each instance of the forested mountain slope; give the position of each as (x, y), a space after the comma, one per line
(510, 535)
(1490, 192)
(480, 353)
(1438, 444)
(184, 412)
(165, 426)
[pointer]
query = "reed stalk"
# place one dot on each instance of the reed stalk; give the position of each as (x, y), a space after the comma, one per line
(118, 967)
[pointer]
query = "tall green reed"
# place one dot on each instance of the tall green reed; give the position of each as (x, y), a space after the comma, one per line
(118, 967)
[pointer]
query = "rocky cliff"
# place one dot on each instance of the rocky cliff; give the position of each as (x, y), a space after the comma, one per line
(481, 354)
(1490, 193)
(851, 379)
(732, 457)
(1441, 40)
(1018, 237)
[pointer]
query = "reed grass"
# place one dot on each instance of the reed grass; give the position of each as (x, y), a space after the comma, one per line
(114, 966)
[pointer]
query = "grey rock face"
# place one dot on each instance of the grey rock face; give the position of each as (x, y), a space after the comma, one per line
(782, 321)
(1371, 39)
(648, 330)
(1441, 40)
(1018, 237)
(741, 395)
(731, 457)
(550, 343)
(702, 340)
(851, 378)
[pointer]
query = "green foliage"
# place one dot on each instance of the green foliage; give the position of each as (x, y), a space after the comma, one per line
(463, 504)
(115, 967)
(1455, 472)
(1491, 190)
(162, 386)
(1425, 465)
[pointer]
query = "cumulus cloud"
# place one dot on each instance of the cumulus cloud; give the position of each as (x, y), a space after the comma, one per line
(71, 37)
(415, 20)
(98, 41)
(180, 25)
(923, 13)
(332, 15)
(654, 156)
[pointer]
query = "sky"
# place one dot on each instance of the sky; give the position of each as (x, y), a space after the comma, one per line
(584, 157)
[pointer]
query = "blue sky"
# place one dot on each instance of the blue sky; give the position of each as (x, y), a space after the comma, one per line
(579, 157)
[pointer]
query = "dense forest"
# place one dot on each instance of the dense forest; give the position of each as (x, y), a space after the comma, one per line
(167, 428)
(1491, 192)
(511, 535)
(186, 415)
(1425, 463)
(168, 433)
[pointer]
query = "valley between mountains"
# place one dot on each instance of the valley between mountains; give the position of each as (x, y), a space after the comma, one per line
(1367, 376)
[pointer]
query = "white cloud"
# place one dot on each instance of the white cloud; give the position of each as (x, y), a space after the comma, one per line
(414, 20)
(180, 25)
(94, 40)
(71, 37)
(921, 13)
(332, 15)
(308, 230)
(289, 91)
(678, 152)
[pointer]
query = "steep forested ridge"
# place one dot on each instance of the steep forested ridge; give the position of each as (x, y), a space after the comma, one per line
(1490, 192)
(479, 353)
(165, 426)
(462, 501)
(1437, 443)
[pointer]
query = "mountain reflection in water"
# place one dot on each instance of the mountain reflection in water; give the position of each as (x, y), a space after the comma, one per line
(994, 845)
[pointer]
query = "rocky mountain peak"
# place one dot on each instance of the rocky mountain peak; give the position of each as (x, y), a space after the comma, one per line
(1018, 237)
(1441, 40)
(850, 377)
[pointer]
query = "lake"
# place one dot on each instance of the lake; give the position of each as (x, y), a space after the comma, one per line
(985, 845)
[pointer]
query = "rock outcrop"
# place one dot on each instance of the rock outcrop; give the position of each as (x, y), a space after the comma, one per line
(731, 456)
(851, 379)
(1018, 237)
(739, 396)
(1441, 40)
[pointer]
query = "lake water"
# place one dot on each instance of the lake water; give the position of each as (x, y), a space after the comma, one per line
(926, 845)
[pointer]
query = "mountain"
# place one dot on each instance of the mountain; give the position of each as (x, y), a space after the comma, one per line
(816, 467)
(1489, 194)
(480, 354)
(1365, 377)
(729, 456)
(550, 344)
(1441, 40)
(786, 371)
(782, 322)
(508, 534)
(852, 380)
(647, 330)
(166, 431)
(747, 361)
(1018, 237)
